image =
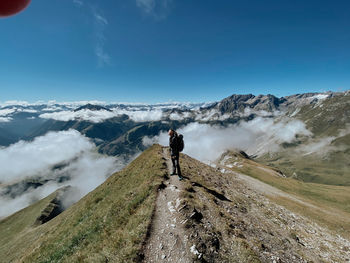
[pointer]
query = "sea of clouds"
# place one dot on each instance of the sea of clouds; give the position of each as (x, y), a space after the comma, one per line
(66, 111)
(207, 142)
(80, 162)
(137, 114)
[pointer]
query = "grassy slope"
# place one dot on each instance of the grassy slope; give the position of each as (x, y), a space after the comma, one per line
(332, 169)
(14, 227)
(238, 224)
(326, 119)
(333, 201)
(108, 224)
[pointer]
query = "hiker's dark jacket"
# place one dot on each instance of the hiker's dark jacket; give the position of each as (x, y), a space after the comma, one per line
(173, 144)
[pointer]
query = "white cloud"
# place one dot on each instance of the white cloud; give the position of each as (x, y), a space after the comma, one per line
(149, 141)
(77, 155)
(102, 56)
(52, 108)
(10, 111)
(137, 114)
(322, 146)
(83, 115)
(262, 113)
(78, 2)
(207, 143)
(101, 115)
(146, 5)
(158, 9)
(142, 115)
(211, 115)
(179, 116)
(5, 119)
(6, 112)
(100, 23)
(100, 19)
(28, 110)
(23, 159)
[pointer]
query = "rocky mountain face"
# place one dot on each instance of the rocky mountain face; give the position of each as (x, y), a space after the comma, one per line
(269, 103)
(217, 214)
(241, 102)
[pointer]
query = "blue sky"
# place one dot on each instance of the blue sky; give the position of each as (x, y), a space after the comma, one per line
(173, 50)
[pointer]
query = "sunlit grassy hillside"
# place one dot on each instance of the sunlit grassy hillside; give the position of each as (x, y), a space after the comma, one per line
(107, 225)
(324, 157)
(326, 204)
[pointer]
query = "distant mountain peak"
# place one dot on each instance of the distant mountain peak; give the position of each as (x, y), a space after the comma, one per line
(92, 108)
(240, 102)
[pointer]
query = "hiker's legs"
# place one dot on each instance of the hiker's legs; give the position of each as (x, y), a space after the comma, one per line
(173, 160)
(177, 163)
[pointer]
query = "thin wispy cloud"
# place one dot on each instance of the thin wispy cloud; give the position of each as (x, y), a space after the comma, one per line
(146, 5)
(158, 9)
(78, 2)
(100, 19)
(100, 23)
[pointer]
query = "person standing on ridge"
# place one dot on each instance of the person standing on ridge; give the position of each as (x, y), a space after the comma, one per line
(176, 146)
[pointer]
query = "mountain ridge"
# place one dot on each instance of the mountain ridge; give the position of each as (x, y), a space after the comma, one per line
(305, 136)
(223, 218)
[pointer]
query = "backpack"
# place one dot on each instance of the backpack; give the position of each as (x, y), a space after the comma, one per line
(180, 142)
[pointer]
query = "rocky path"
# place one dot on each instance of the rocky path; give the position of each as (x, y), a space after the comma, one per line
(168, 241)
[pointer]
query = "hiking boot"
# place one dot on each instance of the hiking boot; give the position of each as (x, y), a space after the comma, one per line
(173, 173)
(180, 178)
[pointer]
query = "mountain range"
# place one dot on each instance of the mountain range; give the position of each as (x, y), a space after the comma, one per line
(272, 174)
(118, 129)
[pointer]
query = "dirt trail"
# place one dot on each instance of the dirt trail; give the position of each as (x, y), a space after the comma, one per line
(168, 241)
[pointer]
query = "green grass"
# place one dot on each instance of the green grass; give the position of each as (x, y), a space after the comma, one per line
(13, 227)
(330, 118)
(107, 225)
(334, 196)
(332, 202)
(332, 169)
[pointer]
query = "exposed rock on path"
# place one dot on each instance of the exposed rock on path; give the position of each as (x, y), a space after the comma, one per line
(215, 216)
(168, 241)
